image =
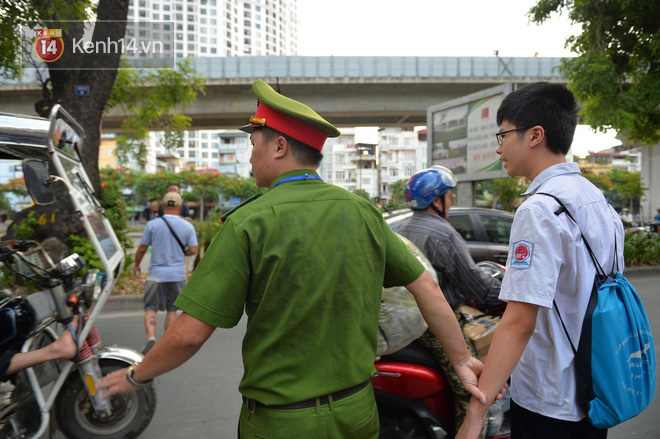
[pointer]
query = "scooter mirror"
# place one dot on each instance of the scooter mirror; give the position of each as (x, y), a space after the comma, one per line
(36, 179)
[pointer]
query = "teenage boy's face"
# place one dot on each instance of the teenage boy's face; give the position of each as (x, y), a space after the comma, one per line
(511, 151)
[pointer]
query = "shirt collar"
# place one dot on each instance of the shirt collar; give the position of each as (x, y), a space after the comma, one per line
(552, 171)
(293, 173)
(427, 214)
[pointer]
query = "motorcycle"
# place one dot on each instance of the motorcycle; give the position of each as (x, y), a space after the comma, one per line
(414, 398)
(65, 390)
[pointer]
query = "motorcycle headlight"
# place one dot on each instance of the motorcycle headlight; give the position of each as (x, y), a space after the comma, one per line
(99, 283)
(71, 264)
(91, 285)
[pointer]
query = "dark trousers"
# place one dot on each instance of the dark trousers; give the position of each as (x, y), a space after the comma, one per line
(530, 425)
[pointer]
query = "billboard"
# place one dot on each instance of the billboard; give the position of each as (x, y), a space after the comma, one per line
(462, 134)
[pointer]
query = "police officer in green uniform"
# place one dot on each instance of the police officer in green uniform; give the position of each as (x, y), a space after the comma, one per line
(306, 262)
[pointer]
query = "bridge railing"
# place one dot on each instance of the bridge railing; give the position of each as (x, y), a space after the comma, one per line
(376, 67)
(342, 68)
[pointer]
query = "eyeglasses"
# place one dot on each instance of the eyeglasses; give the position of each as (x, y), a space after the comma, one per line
(500, 136)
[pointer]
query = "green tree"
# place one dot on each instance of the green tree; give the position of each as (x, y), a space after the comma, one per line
(627, 186)
(152, 101)
(73, 67)
(201, 183)
(362, 193)
(616, 75)
(504, 192)
(601, 181)
(620, 186)
(15, 186)
(397, 199)
(149, 187)
(239, 187)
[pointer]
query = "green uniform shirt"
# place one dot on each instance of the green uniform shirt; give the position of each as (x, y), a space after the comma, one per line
(306, 261)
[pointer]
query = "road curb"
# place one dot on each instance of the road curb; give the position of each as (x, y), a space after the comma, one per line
(127, 302)
(642, 271)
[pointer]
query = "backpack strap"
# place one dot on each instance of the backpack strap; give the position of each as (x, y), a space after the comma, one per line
(564, 209)
(183, 248)
(580, 367)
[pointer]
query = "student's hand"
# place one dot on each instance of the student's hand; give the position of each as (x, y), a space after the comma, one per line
(474, 421)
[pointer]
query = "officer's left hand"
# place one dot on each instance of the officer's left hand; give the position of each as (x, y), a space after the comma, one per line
(115, 382)
(468, 372)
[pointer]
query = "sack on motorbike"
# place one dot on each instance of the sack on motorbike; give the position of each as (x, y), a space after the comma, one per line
(400, 321)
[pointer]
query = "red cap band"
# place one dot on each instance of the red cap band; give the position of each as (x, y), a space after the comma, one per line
(291, 127)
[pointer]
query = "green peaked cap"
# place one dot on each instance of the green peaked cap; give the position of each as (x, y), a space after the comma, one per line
(292, 108)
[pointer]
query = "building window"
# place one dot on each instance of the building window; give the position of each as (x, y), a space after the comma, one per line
(340, 175)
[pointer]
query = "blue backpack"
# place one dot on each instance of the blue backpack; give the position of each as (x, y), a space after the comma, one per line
(615, 359)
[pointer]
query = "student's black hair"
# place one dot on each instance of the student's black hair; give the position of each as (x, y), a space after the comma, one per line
(552, 106)
(302, 153)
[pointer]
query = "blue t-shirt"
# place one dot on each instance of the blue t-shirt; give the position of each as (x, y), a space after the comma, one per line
(168, 263)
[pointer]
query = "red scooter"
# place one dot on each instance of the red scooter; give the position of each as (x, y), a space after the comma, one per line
(414, 398)
(415, 401)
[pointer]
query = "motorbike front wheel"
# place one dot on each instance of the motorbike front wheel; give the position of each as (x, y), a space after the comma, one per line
(131, 413)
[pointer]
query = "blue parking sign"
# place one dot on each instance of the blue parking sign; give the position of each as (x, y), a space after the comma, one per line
(82, 90)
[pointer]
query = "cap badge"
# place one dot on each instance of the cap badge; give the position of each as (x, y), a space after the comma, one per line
(258, 120)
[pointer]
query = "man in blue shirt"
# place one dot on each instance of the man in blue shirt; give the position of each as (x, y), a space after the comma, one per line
(167, 268)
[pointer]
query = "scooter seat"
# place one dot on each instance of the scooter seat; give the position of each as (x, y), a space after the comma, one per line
(413, 353)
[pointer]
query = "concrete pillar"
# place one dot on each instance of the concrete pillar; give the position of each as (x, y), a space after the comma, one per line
(651, 180)
(465, 194)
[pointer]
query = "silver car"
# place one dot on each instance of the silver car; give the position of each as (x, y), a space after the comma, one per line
(486, 231)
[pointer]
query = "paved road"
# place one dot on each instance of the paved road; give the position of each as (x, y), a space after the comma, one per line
(200, 399)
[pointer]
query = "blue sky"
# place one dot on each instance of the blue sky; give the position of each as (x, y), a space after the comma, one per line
(437, 28)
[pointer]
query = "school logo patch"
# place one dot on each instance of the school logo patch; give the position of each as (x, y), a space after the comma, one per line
(522, 254)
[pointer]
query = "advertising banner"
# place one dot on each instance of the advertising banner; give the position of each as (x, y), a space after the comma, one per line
(462, 135)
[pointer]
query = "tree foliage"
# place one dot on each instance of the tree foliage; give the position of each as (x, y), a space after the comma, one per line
(503, 192)
(616, 76)
(239, 187)
(362, 193)
(152, 101)
(620, 186)
(202, 185)
(73, 68)
(15, 14)
(397, 199)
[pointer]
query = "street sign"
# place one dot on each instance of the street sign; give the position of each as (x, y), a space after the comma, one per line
(82, 90)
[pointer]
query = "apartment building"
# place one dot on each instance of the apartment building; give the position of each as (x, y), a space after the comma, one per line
(213, 28)
(373, 167)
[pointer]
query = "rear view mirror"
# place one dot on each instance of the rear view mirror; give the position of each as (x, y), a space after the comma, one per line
(37, 181)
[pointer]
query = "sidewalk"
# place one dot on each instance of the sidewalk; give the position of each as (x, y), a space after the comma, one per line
(133, 302)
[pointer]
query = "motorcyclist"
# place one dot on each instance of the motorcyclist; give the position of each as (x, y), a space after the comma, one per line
(429, 195)
(16, 323)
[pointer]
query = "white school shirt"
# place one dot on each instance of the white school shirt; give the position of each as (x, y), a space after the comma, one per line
(548, 260)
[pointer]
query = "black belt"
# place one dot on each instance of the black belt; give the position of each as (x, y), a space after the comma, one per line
(325, 399)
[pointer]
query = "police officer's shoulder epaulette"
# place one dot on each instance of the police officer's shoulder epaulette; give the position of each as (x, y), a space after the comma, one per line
(252, 198)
